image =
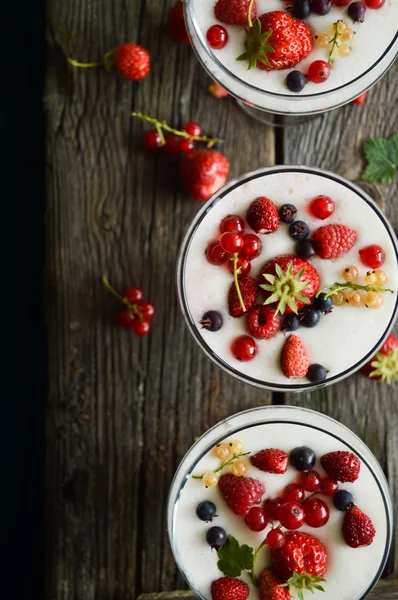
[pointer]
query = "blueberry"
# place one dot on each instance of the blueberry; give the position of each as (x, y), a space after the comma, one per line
(212, 320)
(316, 373)
(305, 249)
(290, 323)
(357, 11)
(216, 537)
(343, 500)
(320, 7)
(206, 511)
(299, 230)
(302, 458)
(296, 82)
(322, 303)
(310, 317)
(301, 8)
(287, 213)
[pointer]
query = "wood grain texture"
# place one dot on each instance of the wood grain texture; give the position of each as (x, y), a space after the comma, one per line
(122, 412)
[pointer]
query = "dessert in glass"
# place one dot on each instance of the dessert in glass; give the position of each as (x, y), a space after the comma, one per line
(306, 65)
(278, 495)
(287, 278)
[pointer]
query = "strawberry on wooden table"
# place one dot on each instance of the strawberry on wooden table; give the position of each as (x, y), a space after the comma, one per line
(341, 466)
(358, 529)
(240, 493)
(294, 359)
(130, 61)
(270, 460)
(229, 588)
(202, 173)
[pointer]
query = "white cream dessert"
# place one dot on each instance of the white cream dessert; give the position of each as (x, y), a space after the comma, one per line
(345, 338)
(372, 50)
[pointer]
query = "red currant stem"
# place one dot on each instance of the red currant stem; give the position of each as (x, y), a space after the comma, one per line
(132, 307)
(249, 14)
(251, 572)
(76, 63)
(334, 41)
(223, 464)
(338, 287)
(236, 273)
(159, 125)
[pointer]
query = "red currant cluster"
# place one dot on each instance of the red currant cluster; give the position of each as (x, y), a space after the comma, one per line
(138, 312)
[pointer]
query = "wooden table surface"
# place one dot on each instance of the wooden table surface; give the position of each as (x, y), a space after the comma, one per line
(121, 412)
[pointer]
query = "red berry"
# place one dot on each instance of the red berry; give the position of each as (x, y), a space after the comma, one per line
(341, 2)
(140, 328)
(193, 129)
(228, 588)
(294, 493)
(240, 493)
(262, 322)
(152, 140)
(256, 519)
(316, 512)
(291, 515)
(234, 12)
(147, 310)
(374, 3)
(125, 318)
(243, 266)
(372, 256)
(172, 146)
(272, 507)
(217, 37)
(318, 71)
(131, 61)
(186, 145)
(202, 173)
(231, 242)
(275, 538)
(358, 529)
(215, 254)
(232, 223)
(176, 23)
(322, 207)
(310, 480)
(361, 99)
(216, 91)
(244, 348)
(133, 295)
(252, 246)
(341, 465)
(333, 240)
(329, 486)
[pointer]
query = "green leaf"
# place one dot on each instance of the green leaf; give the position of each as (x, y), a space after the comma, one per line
(382, 157)
(243, 56)
(300, 595)
(234, 558)
(268, 288)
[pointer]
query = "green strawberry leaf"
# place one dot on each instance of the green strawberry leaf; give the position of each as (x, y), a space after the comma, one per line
(234, 558)
(382, 157)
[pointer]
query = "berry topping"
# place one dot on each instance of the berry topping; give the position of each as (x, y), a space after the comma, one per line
(357, 11)
(269, 584)
(374, 3)
(343, 500)
(320, 7)
(146, 309)
(229, 588)
(256, 519)
(301, 8)
(296, 81)
(216, 537)
(140, 328)
(248, 289)
(302, 458)
(232, 223)
(318, 71)
(222, 451)
(270, 460)
(210, 479)
(323, 303)
(291, 515)
(263, 216)
(358, 529)
(239, 468)
(305, 249)
(262, 322)
(235, 12)
(192, 128)
(341, 465)
(290, 322)
(212, 320)
(186, 145)
(328, 486)
(243, 267)
(332, 241)
(272, 507)
(217, 37)
(287, 213)
(299, 230)
(203, 173)
(153, 140)
(129, 61)
(310, 480)
(294, 360)
(372, 256)
(301, 553)
(252, 246)
(206, 511)
(321, 207)
(215, 254)
(294, 492)
(316, 373)
(125, 318)
(275, 538)
(133, 295)
(244, 348)
(241, 493)
(316, 512)
(176, 23)
(310, 317)
(231, 242)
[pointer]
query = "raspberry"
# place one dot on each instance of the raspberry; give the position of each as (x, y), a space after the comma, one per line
(262, 322)
(332, 241)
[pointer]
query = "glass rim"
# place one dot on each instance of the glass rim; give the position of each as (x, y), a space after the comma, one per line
(181, 293)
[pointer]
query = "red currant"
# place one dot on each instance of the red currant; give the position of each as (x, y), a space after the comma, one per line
(243, 266)
(256, 519)
(125, 318)
(316, 512)
(140, 328)
(193, 129)
(133, 295)
(186, 145)
(322, 207)
(173, 144)
(217, 37)
(275, 539)
(231, 242)
(374, 3)
(310, 480)
(232, 223)
(328, 486)
(294, 493)
(147, 310)
(215, 254)
(318, 71)
(153, 140)
(291, 515)
(372, 256)
(361, 99)
(244, 348)
(252, 246)
(272, 507)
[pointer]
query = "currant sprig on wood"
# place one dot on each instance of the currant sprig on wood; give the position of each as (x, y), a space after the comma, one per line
(133, 307)
(162, 126)
(335, 288)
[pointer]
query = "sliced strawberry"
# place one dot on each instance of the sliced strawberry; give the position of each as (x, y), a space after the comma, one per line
(358, 529)
(240, 493)
(262, 322)
(249, 289)
(294, 360)
(270, 460)
(341, 465)
(263, 216)
(332, 241)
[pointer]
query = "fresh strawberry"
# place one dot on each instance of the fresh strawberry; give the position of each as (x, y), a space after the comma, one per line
(341, 465)
(249, 289)
(263, 216)
(294, 360)
(361, 99)
(203, 173)
(229, 588)
(384, 365)
(130, 61)
(262, 322)
(176, 23)
(240, 493)
(235, 12)
(332, 241)
(292, 273)
(270, 460)
(269, 587)
(216, 91)
(301, 553)
(358, 529)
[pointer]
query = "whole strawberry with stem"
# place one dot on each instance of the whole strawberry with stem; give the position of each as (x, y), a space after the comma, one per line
(384, 365)
(138, 312)
(302, 558)
(130, 61)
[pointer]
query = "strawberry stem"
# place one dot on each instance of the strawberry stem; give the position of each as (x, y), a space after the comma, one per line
(242, 304)
(251, 572)
(76, 63)
(339, 287)
(223, 464)
(132, 307)
(249, 14)
(159, 125)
